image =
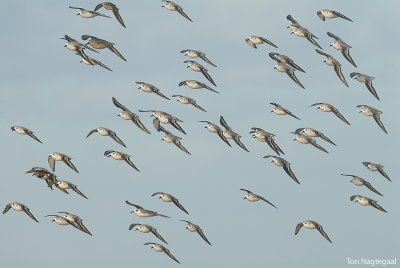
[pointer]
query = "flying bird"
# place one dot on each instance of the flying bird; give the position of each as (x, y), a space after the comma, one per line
(280, 162)
(142, 212)
(301, 138)
(171, 138)
(264, 136)
(114, 8)
(252, 197)
(197, 54)
(309, 224)
(186, 100)
(358, 181)
(230, 134)
(128, 115)
(165, 118)
(25, 131)
(76, 222)
(300, 31)
(339, 44)
(375, 113)
(311, 132)
(43, 174)
(170, 198)
(74, 45)
(53, 157)
(160, 248)
(213, 128)
(85, 13)
(145, 228)
(19, 207)
(120, 156)
(367, 80)
(365, 201)
(195, 228)
(107, 132)
(98, 43)
(284, 68)
(285, 59)
(169, 5)
(149, 88)
(60, 220)
(65, 185)
(331, 14)
(197, 67)
(376, 167)
(280, 110)
(253, 41)
(193, 84)
(91, 61)
(329, 60)
(326, 107)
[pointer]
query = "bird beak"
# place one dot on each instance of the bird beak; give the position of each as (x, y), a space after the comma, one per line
(244, 198)
(78, 14)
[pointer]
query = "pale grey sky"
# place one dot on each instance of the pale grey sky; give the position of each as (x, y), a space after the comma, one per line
(46, 89)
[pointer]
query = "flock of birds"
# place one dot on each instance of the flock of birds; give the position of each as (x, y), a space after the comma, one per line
(284, 64)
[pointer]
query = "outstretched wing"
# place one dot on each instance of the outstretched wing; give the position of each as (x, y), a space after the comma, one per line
(298, 227)
(200, 232)
(321, 230)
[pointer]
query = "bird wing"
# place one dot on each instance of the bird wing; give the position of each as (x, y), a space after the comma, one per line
(67, 161)
(115, 51)
(91, 132)
(200, 232)
(179, 205)
(340, 116)
(128, 160)
(298, 227)
(377, 119)
(180, 10)
(27, 212)
(114, 136)
(52, 163)
(321, 230)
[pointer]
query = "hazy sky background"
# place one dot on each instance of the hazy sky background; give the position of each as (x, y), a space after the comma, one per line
(46, 89)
